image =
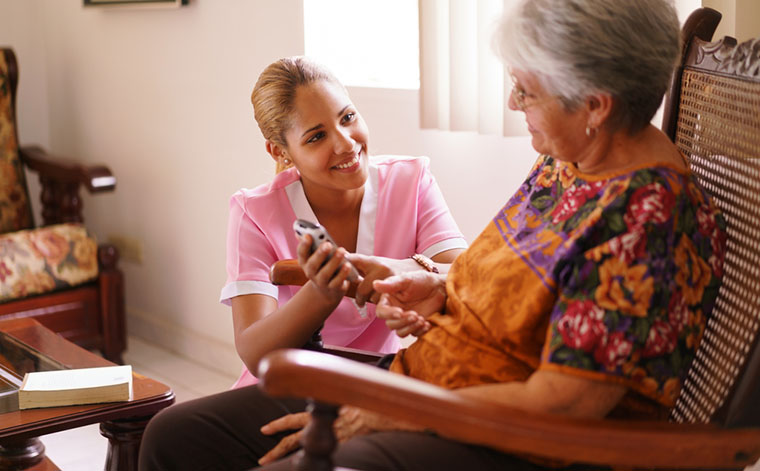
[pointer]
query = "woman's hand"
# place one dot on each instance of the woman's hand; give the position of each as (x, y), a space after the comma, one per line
(374, 268)
(291, 442)
(330, 277)
(407, 300)
(351, 422)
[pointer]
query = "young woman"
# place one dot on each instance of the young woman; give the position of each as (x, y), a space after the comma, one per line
(385, 209)
(386, 206)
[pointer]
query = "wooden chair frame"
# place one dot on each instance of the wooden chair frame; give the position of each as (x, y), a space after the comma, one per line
(92, 314)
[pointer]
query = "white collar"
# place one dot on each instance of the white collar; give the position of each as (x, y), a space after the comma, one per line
(365, 242)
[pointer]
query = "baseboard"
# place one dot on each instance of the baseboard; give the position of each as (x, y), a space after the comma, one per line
(216, 355)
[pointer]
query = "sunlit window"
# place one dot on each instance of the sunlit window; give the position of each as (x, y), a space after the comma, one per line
(366, 43)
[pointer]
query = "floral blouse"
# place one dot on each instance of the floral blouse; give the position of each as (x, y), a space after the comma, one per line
(608, 277)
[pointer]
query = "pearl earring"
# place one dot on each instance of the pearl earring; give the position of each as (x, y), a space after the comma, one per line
(590, 131)
(286, 162)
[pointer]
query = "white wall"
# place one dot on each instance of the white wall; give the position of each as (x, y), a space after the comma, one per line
(741, 18)
(748, 21)
(162, 98)
(16, 20)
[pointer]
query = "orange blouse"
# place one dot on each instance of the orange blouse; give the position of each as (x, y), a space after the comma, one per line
(609, 278)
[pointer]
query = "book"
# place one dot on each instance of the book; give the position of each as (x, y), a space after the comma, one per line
(75, 386)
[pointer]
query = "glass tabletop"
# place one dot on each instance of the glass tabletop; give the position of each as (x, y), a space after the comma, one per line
(16, 359)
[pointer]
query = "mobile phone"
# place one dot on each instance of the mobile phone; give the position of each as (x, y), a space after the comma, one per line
(318, 236)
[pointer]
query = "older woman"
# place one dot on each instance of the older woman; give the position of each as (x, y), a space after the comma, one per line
(587, 294)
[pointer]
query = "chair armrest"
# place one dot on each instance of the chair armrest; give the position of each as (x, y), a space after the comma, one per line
(335, 380)
(289, 272)
(97, 178)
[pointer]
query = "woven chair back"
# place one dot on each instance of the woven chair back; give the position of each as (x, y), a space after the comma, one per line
(718, 129)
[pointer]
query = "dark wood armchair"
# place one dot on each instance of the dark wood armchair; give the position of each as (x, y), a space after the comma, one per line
(90, 314)
(714, 118)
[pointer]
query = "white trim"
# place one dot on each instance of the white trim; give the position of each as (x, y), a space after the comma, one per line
(365, 238)
(298, 201)
(444, 245)
(239, 288)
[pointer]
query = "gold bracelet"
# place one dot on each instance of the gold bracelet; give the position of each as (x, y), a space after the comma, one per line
(425, 263)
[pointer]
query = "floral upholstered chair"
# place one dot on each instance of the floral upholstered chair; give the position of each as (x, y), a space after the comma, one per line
(55, 273)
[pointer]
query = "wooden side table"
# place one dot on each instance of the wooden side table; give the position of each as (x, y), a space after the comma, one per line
(121, 422)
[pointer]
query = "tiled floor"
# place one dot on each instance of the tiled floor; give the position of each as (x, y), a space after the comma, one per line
(84, 449)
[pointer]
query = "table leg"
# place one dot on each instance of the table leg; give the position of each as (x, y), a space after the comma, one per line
(21, 454)
(124, 438)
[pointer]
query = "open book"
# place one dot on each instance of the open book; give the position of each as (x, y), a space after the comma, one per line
(75, 386)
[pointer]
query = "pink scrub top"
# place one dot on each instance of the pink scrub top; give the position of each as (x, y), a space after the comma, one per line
(402, 213)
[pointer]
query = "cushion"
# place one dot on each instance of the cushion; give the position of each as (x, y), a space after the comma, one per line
(15, 211)
(46, 259)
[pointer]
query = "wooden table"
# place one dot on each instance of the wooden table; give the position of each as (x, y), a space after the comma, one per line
(122, 422)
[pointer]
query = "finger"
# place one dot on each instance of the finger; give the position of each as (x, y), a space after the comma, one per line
(316, 261)
(364, 292)
(329, 261)
(374, 297)
(411, 328)
(404, 328)
(339, 280)
(286, 422)
(421, 331)
(396, 324)
(286, 445)
(387, 301)
(386, 311)
(348, 423)
(408, 322)
(361, 262)
(390, 285)
(401, 318)
(304, 249)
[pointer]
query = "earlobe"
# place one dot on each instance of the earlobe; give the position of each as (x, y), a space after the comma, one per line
(599, 107)
(278, 154)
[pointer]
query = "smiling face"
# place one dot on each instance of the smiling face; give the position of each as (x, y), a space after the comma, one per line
(554, 130)
(327, 139)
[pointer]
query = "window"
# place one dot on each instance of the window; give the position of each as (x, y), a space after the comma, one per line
(463, 83)
(365, 43)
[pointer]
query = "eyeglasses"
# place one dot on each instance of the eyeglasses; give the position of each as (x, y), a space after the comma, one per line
(522, 98)
(518, 93)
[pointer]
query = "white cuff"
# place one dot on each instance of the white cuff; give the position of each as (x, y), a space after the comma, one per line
(239, 288)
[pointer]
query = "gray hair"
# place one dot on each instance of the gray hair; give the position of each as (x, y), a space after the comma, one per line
(627, 48)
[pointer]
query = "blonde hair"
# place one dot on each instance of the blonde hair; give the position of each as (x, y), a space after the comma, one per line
(275, 91)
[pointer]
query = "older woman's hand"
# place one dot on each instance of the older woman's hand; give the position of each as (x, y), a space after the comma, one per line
(351, 422)
(374, 268)
(407, 300)
(291, 442)
(330, 277)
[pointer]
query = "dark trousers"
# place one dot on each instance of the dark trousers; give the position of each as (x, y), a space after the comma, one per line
(221, 432)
